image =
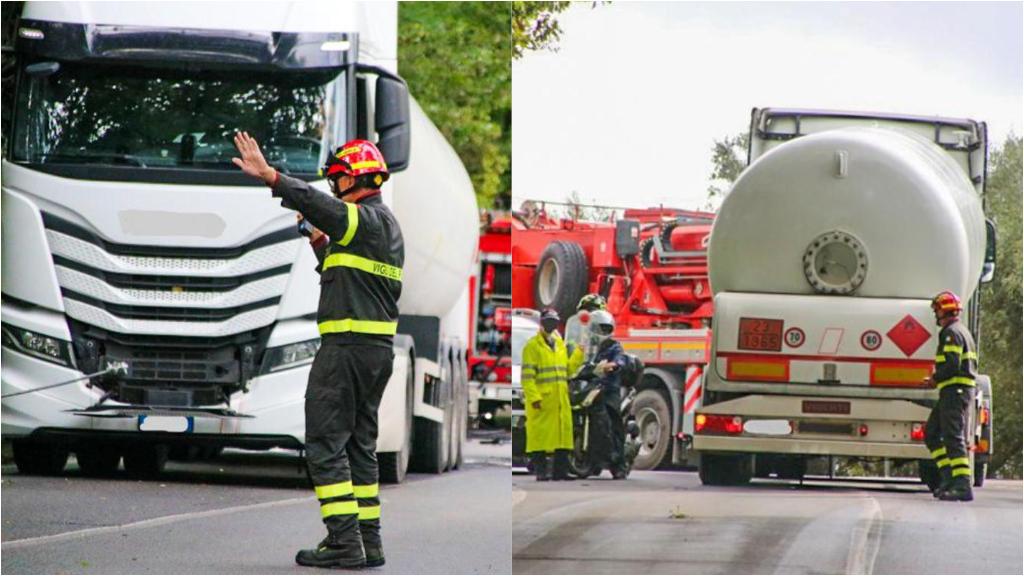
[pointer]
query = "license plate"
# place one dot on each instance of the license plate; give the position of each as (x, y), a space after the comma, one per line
(825, 407)
(760, 334)
(179, 424)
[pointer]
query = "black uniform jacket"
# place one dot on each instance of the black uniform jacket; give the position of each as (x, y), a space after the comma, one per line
(360, 268)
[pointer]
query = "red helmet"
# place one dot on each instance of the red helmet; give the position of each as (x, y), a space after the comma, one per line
(947, 302)
(356, 158)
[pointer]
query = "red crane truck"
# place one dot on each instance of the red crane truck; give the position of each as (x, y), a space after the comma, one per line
(490, 321)
(651, 266)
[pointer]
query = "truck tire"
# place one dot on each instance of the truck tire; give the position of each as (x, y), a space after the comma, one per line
(394, 466)
(462, 419)
(145, 460)
(432, 438)
(725, 470)
(651, 409)
(39, 458)
(100, 461)
(980, 471)
(928, 472)
(561, 278)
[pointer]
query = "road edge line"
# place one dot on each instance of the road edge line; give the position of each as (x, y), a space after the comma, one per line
(148, 523)
(865, 543)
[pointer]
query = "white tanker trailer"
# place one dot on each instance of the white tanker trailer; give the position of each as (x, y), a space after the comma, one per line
(129, 238)
(823, 261)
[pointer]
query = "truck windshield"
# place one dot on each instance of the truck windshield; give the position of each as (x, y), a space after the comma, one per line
(160, 118)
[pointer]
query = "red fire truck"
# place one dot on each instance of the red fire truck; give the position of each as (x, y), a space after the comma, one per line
(651, 266)
(490, 320)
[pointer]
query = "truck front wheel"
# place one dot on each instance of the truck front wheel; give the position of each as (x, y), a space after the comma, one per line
(39, 458)
(395, 465)
(652, 418)
(98, 460)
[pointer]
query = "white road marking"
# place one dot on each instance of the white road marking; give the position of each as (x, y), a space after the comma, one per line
(865, 541)
(150, 523)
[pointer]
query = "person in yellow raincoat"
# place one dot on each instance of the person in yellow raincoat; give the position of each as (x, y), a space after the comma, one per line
(546, 396)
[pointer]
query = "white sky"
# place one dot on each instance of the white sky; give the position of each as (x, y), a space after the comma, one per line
(627, 111)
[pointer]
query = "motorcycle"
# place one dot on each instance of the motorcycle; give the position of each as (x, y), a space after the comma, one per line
(584, 395)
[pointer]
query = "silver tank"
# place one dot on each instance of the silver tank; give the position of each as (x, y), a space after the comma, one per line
(909, 217)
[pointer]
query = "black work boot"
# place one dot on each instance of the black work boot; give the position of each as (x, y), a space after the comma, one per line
(945, 481)
(561, 466)
(542, 466)
(335, 551)
(959, 491)
(370, 532)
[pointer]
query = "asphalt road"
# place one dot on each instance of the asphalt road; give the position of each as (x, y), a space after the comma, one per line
(666, 522)
(248, 513)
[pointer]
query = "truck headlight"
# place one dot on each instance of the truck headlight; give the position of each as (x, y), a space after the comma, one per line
(37, 345)
(289, 356)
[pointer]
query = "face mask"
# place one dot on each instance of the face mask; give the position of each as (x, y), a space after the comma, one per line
(549, 325)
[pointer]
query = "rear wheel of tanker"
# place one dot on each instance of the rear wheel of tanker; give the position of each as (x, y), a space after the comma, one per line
(99, 461)
(39, 458)
(652, 418)
(145, 460)
(725, 470)
(394, 465)
(561, 278)
(980, 470)
(928, 472)
(461, 419)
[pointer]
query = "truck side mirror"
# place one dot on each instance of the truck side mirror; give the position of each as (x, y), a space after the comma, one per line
(391, 118)
(988, 269)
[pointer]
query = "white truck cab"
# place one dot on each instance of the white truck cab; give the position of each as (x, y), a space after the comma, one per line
(130, 237)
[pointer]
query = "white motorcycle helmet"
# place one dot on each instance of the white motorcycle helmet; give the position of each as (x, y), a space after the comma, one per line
(601, 326)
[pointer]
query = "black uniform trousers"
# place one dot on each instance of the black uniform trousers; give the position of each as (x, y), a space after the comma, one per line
(607, 434)
(345, 387)
(946, 429)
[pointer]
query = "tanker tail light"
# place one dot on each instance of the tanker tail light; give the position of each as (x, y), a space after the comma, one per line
(717, 423)
(917, 432)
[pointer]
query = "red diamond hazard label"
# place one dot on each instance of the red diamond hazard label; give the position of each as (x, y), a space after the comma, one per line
(908, 335)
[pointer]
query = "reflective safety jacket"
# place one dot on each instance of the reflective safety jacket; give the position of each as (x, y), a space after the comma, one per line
(360, 266)
(956, 362)
(544, 374)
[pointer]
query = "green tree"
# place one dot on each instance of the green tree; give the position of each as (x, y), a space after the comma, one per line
(535, 26)
(456, 59)
(729, 158)
(1001, 309)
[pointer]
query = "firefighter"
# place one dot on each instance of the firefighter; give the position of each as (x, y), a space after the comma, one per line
(607, 431)
(546, 396)
(360, 253)
(955, 374)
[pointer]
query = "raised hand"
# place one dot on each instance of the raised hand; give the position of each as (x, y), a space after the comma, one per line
(252, 161)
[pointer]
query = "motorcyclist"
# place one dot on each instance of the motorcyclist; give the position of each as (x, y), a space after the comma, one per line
(576, 329)
(607, 431)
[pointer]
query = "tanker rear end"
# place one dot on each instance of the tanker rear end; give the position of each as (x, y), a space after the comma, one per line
(823, 261)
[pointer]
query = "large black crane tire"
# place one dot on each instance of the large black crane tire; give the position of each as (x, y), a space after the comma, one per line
(561, 278)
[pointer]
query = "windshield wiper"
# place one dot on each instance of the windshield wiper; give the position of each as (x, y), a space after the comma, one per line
(62, 156)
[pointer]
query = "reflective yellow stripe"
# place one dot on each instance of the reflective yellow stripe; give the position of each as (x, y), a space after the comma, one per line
(940, 359)
(364, 264)
(339, 508)
(549, 379)
(953, 348)
(369, 512)
(359, 327)
(955, 380)
(959, 462)
(365, 164)
(961, 472)
(368, 491)
(939, 452)
(942, 463)
(334, 490)
(353, 224)
(969, 356)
